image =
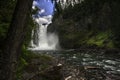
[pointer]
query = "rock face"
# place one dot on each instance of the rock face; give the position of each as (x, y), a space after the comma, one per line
(83, 23)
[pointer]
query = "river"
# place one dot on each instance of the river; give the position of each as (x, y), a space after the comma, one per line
(109, 63)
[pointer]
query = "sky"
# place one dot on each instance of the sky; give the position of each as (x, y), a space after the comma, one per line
(44, 15)
(46, 7)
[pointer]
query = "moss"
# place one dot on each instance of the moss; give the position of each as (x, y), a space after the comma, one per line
(101, 39)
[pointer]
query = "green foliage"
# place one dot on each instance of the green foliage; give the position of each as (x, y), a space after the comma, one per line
(31, 26)
(25, 63)
(90, 23)
(21, 66)
(3, 28)
(98, 39)
(6, 11)
(115, 18)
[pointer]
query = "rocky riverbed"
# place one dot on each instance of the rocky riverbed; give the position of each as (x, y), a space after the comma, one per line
(73, 65)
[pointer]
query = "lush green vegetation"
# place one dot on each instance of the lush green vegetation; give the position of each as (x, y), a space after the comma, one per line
(90, 23)
(6, 11)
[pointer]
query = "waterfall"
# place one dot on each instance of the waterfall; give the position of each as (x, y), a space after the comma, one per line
(41, 39)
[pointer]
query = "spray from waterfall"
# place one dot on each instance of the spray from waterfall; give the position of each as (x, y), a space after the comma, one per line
(41, 39)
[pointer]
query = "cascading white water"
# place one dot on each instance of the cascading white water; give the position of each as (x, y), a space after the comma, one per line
(44, 40)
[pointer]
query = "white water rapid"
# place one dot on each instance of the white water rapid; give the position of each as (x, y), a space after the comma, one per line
(41, 39)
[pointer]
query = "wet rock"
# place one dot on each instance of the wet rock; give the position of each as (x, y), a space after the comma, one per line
(112, 51)
(52, 73)
(94, 73)
(38, 67)
(27, 76)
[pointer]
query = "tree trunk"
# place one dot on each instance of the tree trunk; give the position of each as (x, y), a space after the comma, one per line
(14, 39)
